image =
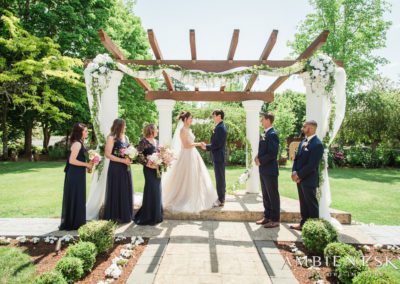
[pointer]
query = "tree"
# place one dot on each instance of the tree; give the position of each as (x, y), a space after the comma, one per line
(357, 28)
(29, 68)
(372, 116)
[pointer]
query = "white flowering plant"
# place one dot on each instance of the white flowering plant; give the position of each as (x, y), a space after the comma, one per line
(321, 70)
(113, 271)
(21, 239)
(50, 239)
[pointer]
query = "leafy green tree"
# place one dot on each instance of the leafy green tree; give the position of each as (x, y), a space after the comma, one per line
(29, 67)
(357, 28)
(372, 116)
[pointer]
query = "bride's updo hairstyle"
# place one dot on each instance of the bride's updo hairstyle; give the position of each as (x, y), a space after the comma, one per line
(184, 115)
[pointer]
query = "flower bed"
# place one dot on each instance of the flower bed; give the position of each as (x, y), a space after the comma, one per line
(374, 257)
(44, 257)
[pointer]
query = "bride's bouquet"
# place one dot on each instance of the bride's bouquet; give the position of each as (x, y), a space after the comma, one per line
(94, 158)
(160, 160)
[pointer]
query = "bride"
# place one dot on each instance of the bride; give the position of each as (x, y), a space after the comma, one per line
(187, 186)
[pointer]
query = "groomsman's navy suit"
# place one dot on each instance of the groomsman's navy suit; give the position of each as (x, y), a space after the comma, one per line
(306, 164)
(217, 148)
(267, 155)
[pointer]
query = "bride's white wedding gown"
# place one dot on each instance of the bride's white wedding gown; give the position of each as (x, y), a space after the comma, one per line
(187, 185)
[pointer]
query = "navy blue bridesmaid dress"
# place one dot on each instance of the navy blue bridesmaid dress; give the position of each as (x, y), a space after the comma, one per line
(73, 213)
(119, 189)
(151, 212)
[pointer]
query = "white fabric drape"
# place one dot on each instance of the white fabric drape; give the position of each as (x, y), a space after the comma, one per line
(107, 112)
(319, 108)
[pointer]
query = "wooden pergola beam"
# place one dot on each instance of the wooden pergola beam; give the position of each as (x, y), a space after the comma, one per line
(209, 96)
(110, 45)
(264, 56)
(158, 55)
(114, 50)
(192, 38)
(234, 43)
(307, 53)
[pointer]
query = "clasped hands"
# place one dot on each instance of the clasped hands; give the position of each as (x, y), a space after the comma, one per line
(202, 145)
(295, 177)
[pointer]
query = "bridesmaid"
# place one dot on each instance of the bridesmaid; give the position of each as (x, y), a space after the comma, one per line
(119, 189)
(73, 208)
(151, 212)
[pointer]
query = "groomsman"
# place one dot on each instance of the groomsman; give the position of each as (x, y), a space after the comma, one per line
(266, 160)
(305, 172)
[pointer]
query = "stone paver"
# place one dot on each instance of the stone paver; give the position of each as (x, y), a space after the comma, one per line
(211, 252)
(148, 264)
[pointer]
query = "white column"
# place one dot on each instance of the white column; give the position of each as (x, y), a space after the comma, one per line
(108, 111)
(253, 108)
(165, 108)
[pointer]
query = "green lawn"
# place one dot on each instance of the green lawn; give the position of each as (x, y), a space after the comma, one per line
(35, 190)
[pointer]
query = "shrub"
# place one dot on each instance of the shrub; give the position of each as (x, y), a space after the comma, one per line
(86, 251)
(317, 234)
(339, 250)
(350, 267)
(373, 277)
(50, 277)
(57, 153)
(393, 272)
(101, 233)
(71, 268)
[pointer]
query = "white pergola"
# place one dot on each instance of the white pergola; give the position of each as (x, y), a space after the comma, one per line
(318, 106)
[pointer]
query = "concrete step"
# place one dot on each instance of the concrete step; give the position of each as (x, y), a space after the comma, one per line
(243, 207)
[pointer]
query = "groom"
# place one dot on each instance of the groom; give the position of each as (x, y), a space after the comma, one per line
(217, 148)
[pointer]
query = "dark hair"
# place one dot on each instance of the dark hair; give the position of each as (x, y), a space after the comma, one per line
(219, 112)
(149, 129)
(117, 127)
(77, 133)
(184, 115)
(270, 116)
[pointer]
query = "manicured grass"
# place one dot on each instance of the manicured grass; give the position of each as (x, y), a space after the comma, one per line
(370, 195)
(15, 266)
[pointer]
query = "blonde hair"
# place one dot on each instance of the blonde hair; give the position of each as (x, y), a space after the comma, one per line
(148, 130)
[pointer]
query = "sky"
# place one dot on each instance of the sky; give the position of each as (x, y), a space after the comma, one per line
(215, 20)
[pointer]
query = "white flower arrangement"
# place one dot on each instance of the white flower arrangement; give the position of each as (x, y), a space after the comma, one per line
(126, 253)
(50, 239)
(21, 239)
(244, 177)
(35, 240)
(120, 238)
(378, 247)
(113, 271)
(320, 75)
(101, 65)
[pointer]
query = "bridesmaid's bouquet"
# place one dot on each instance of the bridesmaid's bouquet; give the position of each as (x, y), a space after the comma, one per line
(129, 152)
(160, 160)
(94, 158)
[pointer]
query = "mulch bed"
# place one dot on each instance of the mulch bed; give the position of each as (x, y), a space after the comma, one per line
(45, 258)
(303, 275)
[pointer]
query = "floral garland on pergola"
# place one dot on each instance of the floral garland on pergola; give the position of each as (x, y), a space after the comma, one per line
(320, 74)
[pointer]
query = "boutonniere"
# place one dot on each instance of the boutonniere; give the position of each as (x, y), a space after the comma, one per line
(263, 137)
(304, 146)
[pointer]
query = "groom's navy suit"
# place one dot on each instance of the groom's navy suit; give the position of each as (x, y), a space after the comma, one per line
(267, 155)
(217, 148)
(306, 165)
